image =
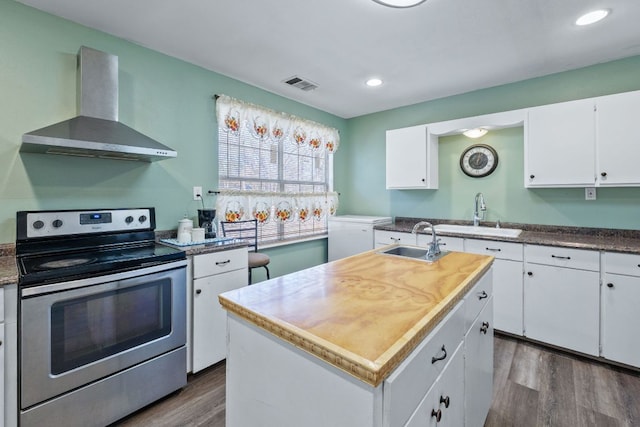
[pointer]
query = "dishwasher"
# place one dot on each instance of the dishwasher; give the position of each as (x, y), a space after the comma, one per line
(352, 234)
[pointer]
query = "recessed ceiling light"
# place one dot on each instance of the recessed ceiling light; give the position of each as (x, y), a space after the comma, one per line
(374, 82)
(400, 3)
(592, 17)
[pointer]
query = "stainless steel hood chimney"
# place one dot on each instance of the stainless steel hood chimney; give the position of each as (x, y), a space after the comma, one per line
(96, 132)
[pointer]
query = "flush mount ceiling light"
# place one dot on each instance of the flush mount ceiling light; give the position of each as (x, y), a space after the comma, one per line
(475, 133)
(373, 82)
(400, 3)
(592, 17)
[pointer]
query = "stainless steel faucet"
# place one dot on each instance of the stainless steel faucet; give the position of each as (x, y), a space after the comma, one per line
(434, 247)
(479, 209)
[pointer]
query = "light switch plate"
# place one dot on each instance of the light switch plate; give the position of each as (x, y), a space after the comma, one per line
(590, 193)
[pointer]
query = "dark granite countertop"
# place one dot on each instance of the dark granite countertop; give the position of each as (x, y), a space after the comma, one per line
(606, 239)
(8, 267)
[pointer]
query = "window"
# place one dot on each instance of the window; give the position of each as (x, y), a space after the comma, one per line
(275, 168)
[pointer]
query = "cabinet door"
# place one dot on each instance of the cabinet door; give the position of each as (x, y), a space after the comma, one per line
(2, 375)
(560, 145)
(210, 319)
(617, 139)
(507, 296)
(411, 159)
(620, 319)
(561, 307)
(445, 400)
(478, 368)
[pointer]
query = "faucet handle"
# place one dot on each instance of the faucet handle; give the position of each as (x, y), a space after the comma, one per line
(498, 224)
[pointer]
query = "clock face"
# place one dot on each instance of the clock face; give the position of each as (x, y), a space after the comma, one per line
(479, 160)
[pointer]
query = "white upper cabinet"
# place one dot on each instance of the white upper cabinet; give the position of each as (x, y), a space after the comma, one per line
(560, 145)
(412, 159)
(617, 139)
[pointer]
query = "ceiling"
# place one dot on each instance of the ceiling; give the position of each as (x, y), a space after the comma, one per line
(437, 49)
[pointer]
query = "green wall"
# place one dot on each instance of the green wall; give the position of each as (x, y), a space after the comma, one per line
(361, 181)
(163, 97)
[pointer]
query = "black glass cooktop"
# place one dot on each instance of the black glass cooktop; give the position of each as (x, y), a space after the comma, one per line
(59, 266)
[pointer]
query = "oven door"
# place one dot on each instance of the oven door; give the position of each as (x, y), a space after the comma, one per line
(74, 333)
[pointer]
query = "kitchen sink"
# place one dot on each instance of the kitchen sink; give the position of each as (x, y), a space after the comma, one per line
(478, 230)
(412, 252)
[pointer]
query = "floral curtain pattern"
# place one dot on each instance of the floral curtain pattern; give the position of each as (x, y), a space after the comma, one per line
(278, 207)
(271, 126)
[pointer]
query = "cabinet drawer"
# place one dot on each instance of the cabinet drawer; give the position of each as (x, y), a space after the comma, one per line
(500, 250)
(628, 264)
(563, 257)
(477, 298)
(406, 386)
(383, 238)
(447, 243)
(219, 262)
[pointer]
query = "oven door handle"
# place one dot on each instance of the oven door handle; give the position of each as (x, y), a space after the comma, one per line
(91, 281)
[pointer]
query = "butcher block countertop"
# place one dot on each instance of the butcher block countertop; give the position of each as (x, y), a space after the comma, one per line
(363, 314)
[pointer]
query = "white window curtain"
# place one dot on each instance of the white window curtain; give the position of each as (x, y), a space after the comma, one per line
(275, 168)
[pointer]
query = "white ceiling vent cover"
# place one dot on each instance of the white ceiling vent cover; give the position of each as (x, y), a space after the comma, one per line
(301, 83)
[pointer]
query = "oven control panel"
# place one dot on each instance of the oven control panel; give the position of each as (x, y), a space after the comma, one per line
(64, 223)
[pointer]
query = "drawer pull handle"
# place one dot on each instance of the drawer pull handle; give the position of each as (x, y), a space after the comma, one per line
(198, 291)
(484, 328)
(483, 295)
(560, 257)
(395, 239)
(493, 249)
(437, 414)
(445, 400)
(444, 356)
(221, 263)
(609, 285)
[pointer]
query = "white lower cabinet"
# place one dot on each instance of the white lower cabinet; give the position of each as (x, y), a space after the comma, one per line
(620, 302)
(507, 281)
(443, 405)
(562, 297)
(384, 238)
(214, 273)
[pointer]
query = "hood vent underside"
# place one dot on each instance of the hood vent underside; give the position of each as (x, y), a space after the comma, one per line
(96, 131)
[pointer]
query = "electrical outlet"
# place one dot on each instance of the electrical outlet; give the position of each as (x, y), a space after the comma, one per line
(590, 193)
(197, 193)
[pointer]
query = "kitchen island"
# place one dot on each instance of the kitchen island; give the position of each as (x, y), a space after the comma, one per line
(343, 343)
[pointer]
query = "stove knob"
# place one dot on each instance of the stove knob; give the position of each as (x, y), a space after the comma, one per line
(128, 219)
(57, 223)
(142, 218)
(38, 224)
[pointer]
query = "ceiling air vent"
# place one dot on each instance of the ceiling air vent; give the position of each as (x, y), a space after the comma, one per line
(300, 83)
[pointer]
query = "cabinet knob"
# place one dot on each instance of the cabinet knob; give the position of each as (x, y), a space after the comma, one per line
(445, 400)
(530, 273)
(603, 174)
(424, 180)
(436, 414)
(484, 328)
(609, 285)
(531, 176)
(198, 291)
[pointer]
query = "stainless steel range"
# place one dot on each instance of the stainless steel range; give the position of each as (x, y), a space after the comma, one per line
(102, 315)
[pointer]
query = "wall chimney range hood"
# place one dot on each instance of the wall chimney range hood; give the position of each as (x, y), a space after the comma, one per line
(96, 132)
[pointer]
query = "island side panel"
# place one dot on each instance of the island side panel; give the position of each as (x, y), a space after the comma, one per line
(272, 383)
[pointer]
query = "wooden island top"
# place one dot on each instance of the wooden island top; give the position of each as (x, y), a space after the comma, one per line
(362, 314)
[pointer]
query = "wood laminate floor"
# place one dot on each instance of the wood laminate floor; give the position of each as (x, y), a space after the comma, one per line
(533, 386)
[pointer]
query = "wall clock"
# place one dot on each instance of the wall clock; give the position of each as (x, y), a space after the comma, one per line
(478, 160)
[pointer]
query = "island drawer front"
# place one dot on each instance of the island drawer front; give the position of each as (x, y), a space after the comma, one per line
(477, 298)
(582, 259)
(500, 250)
(383, 238)
(219, 262)
(628, 264)
(407, 385)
